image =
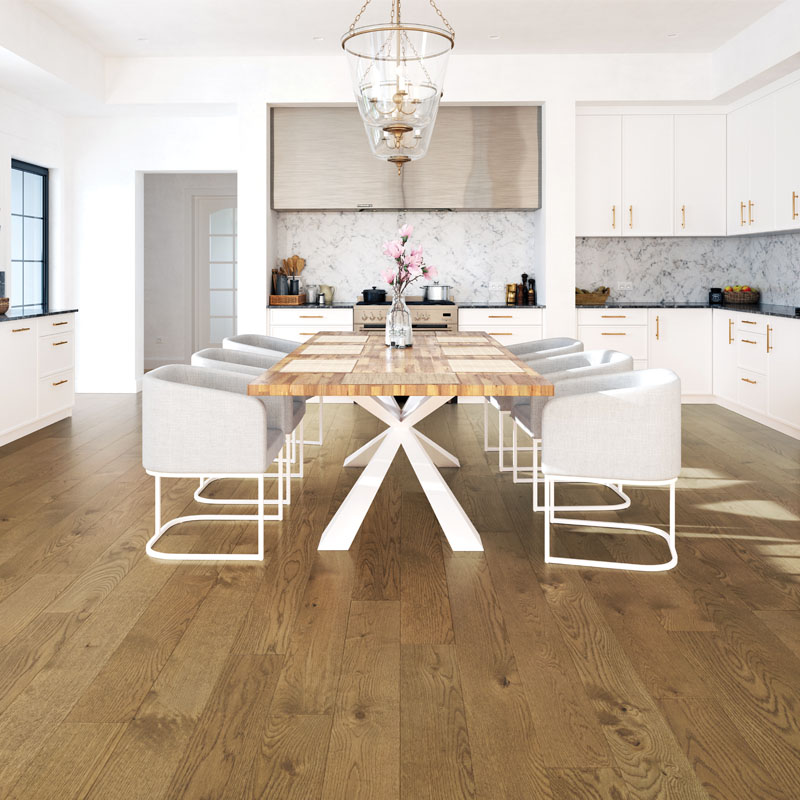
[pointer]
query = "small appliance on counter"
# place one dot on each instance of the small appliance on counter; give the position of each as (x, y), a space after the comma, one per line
(715, 297)
(327, 292)
(374, 295)
(437, 293)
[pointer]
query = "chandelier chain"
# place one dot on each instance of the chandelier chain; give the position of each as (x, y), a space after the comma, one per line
(442, 17)
(358, 16)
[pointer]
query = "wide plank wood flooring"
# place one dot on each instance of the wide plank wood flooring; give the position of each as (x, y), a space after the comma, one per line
(398, 669)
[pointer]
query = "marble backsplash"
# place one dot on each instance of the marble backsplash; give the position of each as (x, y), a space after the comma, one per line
(683, 269)
(475, 252)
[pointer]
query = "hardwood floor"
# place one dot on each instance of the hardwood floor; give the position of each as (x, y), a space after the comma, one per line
(398, 669)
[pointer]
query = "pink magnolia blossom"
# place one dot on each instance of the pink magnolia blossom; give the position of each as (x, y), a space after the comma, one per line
(406, 231)
(393, 249)
(431, 272)
(388, 275)
(415, 270)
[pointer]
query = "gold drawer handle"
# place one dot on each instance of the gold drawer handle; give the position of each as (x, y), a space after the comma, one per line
(614, 334)
(749, 341)
(56, 344)
(747, 380)
(749, 322)
(501, 316)
(306, 333)
(769, 346)
(658, 330)
(730, 331)
(19, 330)
(500, 334)
(56, 324)
(613, 316)
(58, 383)
(312, 316)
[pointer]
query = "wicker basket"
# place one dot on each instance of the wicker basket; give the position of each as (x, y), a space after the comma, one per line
(4, 303)
(742, 298)
(591, 299)
(288, 299)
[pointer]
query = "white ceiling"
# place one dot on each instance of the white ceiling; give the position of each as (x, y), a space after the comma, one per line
(278, 27)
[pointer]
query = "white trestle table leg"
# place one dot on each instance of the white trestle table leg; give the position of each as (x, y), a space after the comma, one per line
(377, 456)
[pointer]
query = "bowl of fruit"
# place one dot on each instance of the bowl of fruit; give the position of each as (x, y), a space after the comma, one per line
(741, 294)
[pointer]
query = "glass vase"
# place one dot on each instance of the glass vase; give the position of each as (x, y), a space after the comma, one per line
(398, 323)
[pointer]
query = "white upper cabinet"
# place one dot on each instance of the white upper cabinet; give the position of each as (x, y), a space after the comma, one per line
(647, 175)
(751, 167)
(700, 175)
(598, 170)
(787, 158)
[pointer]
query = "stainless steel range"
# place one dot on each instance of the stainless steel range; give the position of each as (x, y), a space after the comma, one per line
(425, 316)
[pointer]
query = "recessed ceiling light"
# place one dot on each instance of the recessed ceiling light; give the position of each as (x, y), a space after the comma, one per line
(672, 35)
(142, 39)
(494, 36)
(318, 38)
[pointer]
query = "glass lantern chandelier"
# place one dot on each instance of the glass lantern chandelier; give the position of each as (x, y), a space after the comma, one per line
(398, 72)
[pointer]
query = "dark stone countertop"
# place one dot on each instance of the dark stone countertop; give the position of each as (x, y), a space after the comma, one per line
(312, 305)
(34, 311)
(493, 305)
(757, 308)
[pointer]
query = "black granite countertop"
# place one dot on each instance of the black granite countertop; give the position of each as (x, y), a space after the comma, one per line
(492, 305)
(34, 311)
(314, 305)
(757, 308)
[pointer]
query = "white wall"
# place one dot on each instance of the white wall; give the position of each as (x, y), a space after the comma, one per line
(107, 157)
(168, 211)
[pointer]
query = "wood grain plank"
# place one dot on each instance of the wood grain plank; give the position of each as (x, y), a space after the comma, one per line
(785, 625)
(588, 784)
(17, 610)
(436, 759)
(364, 752)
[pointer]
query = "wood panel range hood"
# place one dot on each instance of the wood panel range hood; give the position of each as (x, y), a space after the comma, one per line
(480, 158)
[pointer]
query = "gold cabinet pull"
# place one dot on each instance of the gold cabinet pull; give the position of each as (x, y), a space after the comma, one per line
(19, 330)
(749, 341)
(312, 316)
(613, 316)
(683, 216)
(56, 344)
(56, 324)
(794, 205)
(769, 346)
(306, 333)
(613, 334)
(58, 383)
(730, 331)
(630, 211)
(613, 217)
(749, 322)
(747, 380)
(658, 332)
(499, 334)
(750, 205)
(741, 214)
(501, 316)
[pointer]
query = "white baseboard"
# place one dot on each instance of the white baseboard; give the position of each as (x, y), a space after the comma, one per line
(763, 419)
(689, 399)
(32, 427)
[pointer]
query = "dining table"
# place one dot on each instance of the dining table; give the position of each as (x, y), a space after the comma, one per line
(439, 366)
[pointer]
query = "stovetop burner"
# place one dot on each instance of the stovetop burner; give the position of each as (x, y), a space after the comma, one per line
(410, 303)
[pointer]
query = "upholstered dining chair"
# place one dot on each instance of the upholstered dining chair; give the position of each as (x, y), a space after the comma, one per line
(293, 408)
(272, 346)
(555, 369)
(527, 351)
(199, 422)
(626, 433)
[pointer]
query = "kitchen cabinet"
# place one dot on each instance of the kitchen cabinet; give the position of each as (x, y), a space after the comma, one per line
(700, 166)
(783, 370)
(615, 329)
(18, 343)
(751, 167)
(647, 174)
(680, 339)
(787, 158)
(598, 171)
(725, 371)
(300, 324)
(506, 325)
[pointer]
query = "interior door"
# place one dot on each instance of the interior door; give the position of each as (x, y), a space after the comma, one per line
(215, 259)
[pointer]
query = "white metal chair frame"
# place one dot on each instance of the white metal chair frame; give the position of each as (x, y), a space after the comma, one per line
(550, 518)
(260, 517)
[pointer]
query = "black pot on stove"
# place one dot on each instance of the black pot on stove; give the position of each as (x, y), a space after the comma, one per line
(374, 295)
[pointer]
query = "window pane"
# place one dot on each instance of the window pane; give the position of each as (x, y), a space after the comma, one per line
(221, 304)
(16, 283)
(16, 238)
(33, 239)
(33, 283)
(219, 328)
(33, 197)
(221, 221)
(221, 276)
(16, 191)
(220, 248)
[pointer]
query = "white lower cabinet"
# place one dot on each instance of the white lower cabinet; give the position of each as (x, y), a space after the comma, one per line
(680, 339)
(39, 355)
(724, 355)
(300, 324)
(783, 370)
(510, 325)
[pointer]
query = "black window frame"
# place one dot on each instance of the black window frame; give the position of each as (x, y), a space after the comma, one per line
(43, 172)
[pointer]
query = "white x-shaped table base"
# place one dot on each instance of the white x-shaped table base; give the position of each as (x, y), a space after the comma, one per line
(376, 457)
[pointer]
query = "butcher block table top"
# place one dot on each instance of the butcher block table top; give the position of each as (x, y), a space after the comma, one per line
(441, 363)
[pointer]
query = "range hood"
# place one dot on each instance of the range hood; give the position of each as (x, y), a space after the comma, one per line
(480, 158)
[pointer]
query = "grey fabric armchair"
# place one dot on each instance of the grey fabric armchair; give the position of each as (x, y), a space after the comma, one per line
(626, 433)
(528, 351)
(199, 422)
